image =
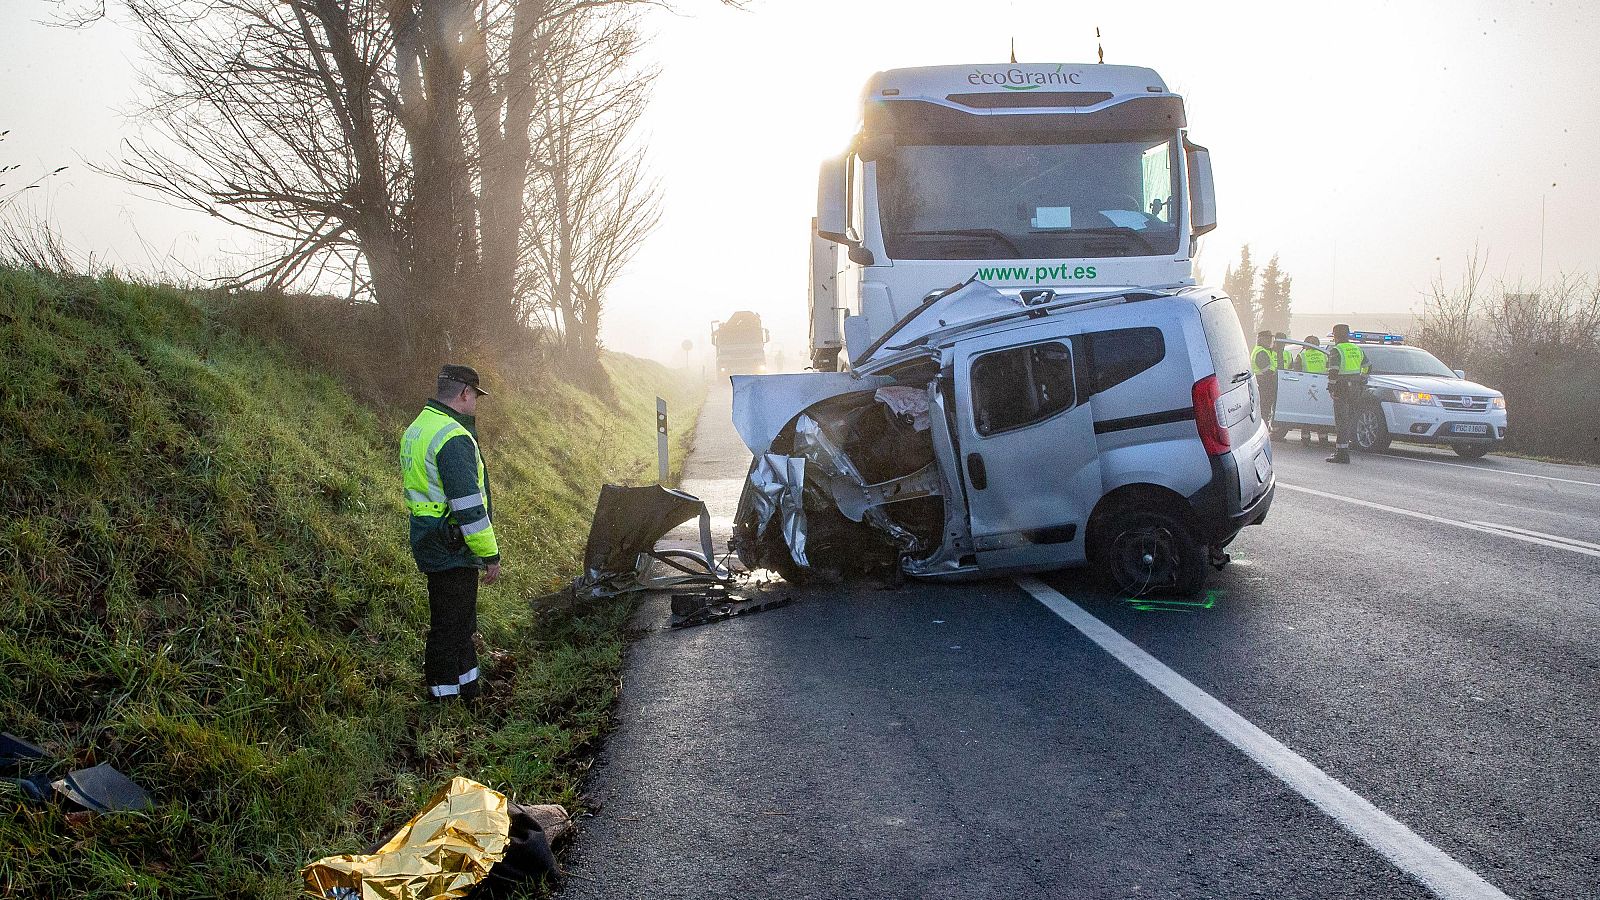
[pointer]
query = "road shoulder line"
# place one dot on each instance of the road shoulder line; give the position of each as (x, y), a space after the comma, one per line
(1469, 526)
(1435, 869)
(1456, 465)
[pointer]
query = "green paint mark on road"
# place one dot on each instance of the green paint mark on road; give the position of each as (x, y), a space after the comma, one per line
(1156, 604)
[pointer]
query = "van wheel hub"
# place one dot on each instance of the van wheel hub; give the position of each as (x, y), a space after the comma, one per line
(1146, 559)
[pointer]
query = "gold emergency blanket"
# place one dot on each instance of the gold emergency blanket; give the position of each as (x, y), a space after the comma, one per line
(441, 853)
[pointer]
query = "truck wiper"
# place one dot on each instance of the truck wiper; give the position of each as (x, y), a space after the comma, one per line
(1241, 378)
(990, 233)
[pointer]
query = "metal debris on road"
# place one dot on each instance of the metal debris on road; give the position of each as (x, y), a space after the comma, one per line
(716, 603)
(621, 551)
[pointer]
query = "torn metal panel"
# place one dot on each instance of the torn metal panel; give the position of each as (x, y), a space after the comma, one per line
(871, 488)
(776, 486)
(953, 557)
(855, 499)
(949, 311)
(763, 405)
(628, 522)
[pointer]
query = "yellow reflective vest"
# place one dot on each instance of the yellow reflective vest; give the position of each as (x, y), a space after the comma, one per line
(1349, 359)
(445, 487)
(1313, 360)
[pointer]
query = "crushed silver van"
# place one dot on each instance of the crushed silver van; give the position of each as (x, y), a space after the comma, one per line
(989, 433)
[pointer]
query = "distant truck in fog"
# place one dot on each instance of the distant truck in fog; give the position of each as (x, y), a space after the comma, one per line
(741, 344)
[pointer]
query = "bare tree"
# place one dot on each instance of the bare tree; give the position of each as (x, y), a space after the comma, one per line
(591, 200)
(1452, 318)
(385, 144)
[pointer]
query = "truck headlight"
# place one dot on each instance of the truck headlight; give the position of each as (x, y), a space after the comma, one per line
(1497, 403)
(1415, 398)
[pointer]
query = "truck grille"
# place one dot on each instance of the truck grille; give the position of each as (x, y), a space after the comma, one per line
(1463, 402)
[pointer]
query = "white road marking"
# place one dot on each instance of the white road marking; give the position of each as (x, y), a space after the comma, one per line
(1440, 462)
(1500, 531)
(1435, 869)
(1539, 534)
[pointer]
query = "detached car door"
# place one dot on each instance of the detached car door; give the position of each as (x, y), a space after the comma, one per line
(1028, 451)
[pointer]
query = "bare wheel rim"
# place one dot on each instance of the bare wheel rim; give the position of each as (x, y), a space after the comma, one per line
(1145, 559)
(1367, 429)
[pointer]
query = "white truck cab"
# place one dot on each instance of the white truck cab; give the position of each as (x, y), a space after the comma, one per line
(1411, 396)
(1069, 177)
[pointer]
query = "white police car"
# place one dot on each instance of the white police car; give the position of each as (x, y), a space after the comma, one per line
(1411, 396)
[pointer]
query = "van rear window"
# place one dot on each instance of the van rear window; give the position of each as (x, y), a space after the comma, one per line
(1112, 357)
(1229, 352)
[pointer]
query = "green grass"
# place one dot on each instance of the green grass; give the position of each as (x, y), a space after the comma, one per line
(206, 584)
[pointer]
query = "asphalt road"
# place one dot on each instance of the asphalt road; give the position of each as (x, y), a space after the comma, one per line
(1385, 626)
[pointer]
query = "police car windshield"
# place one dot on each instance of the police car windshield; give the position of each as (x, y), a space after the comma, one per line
(1404, 361)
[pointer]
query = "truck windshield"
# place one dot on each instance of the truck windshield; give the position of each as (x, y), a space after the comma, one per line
(1030, 201)
(1405, 361)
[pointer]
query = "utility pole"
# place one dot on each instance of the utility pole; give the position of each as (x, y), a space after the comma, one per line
(1541, 241)
(1333, 299)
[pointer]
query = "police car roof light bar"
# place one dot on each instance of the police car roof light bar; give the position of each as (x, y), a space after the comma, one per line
(1376, 337)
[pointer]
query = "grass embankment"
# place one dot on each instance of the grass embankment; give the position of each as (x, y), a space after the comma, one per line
(205, 582)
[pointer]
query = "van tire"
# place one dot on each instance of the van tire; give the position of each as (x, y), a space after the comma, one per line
(1148, 550)
(1371, 431)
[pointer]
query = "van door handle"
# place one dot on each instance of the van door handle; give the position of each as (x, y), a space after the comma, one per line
(976, 472)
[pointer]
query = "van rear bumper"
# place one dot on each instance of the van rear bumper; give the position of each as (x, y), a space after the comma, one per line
(1216, 507)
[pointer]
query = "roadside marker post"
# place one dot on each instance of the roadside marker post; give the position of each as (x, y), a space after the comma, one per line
(661, 441)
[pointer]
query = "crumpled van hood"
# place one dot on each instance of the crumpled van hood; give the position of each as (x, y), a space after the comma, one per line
(764, 404)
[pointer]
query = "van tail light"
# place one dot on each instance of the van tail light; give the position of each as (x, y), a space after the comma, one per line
(1208, 417)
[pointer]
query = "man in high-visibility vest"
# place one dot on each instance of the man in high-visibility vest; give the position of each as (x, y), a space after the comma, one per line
(1312, 359)
(1347, 381)
(452, 535)
(1264, 361)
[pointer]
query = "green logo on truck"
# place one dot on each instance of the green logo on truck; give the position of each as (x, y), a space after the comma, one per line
(1036, 274)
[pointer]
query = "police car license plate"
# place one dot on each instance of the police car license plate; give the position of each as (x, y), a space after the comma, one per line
(1470, 429)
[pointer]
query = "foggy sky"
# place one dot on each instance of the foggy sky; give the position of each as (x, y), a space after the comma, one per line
(1371, 145)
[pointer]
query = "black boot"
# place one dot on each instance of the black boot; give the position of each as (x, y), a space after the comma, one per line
(1340, 455)
(1305, 438)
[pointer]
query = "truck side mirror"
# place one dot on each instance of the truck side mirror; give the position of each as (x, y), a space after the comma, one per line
(833, 214)
(1202, 191)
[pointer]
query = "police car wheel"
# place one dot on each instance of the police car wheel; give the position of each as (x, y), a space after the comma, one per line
(1371, 431)
(1470, 451)
(1149, 551)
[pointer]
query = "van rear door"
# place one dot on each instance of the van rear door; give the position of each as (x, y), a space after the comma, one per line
(1028, 451)
(1239, 406)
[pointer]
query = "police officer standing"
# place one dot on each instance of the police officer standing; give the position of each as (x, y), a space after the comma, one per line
(1264, 362)
(1347, 381)
(1312, 360)
(452, 536)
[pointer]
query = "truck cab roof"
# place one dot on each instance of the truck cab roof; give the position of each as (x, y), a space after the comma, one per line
(958, 84)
